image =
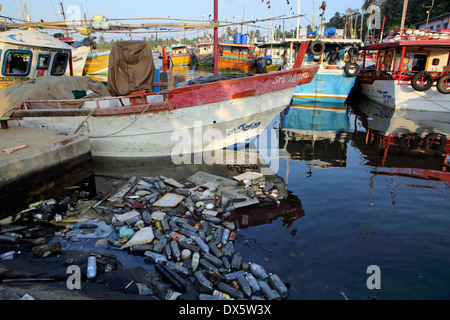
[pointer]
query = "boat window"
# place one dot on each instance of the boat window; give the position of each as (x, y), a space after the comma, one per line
(43, 62)
(419, 62)
(17, 62)
(59, 64)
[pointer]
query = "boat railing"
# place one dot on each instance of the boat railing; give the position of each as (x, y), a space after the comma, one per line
(136, 98)
(411, 35)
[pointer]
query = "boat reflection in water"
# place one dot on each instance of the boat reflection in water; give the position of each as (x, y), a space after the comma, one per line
(316, 133)
(404, 142)
(229, 163)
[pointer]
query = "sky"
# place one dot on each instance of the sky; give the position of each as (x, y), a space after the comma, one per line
(228, 10)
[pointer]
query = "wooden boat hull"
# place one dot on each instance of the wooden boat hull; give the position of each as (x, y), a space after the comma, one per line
(96, 64)
(181, 60)
(234, 64)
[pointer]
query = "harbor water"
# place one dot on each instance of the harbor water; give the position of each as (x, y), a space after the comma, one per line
(365, 216)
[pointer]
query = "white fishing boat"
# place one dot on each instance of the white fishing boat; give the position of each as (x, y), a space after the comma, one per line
(412, 71)
(30, 54)
(137, 122)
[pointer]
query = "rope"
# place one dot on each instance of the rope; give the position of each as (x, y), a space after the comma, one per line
(86, 119)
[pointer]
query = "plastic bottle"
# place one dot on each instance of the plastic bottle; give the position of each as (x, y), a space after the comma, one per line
(165, 225)
(217, 235)
(195, 261)
(212, 259)
(221, 294)
(253, 283)
(222, 286)
(266, 290)
(177, 268)
(258, 271)
(278, 285)
(9, 255)
(236, 261)
(161, 245)
(204, 283)
(173, 226)
(155, 257)
(225, 235)
(92, 268)
(226, 263)
(168, 251)
(175, 250)
(203, 296)
(245, 286)
(228, 250)
(216, 251)
(177, 236)
(200, 243)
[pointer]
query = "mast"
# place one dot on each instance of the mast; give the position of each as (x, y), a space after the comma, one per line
(402, 26)
(298, 18)
(216, 39)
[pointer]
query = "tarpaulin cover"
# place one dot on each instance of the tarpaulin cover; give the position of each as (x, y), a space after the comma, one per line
(131, 68)
(49, 88)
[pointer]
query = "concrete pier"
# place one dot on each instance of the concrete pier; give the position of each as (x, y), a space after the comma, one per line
(49, 162)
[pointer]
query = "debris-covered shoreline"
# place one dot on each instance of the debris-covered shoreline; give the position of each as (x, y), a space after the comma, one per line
(181, 227)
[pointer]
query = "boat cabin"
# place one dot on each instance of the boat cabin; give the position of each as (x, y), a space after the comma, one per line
(29, 54)
(402, 57)
(179, 49)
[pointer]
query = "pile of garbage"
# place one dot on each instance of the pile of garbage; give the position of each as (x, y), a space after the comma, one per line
(181, 227)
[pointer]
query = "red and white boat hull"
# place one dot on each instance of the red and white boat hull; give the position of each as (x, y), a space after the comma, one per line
(403, 96)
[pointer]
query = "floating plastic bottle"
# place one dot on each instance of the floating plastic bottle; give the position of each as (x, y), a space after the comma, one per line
(155, 257)
(165, 225)
(173, 226)
(161, 245)
(9, 255)
(222, 295)
(205, 284)
(168, 251)
(175, 250)
(266, 290)
(236, 261)
(228, 250)
(203, 296)
(222, 286)
(92, 268)
(258, 271)
(278, 285)
(200, 243)
(216, 251)
(253, 283)
(243, 283)
(177, 236)
(195, 261)
(225, 235)
(212, 259)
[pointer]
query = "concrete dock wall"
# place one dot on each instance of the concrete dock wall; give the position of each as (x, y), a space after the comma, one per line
(48, 162)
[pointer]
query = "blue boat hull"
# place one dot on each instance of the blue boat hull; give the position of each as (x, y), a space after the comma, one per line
(325, 88)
